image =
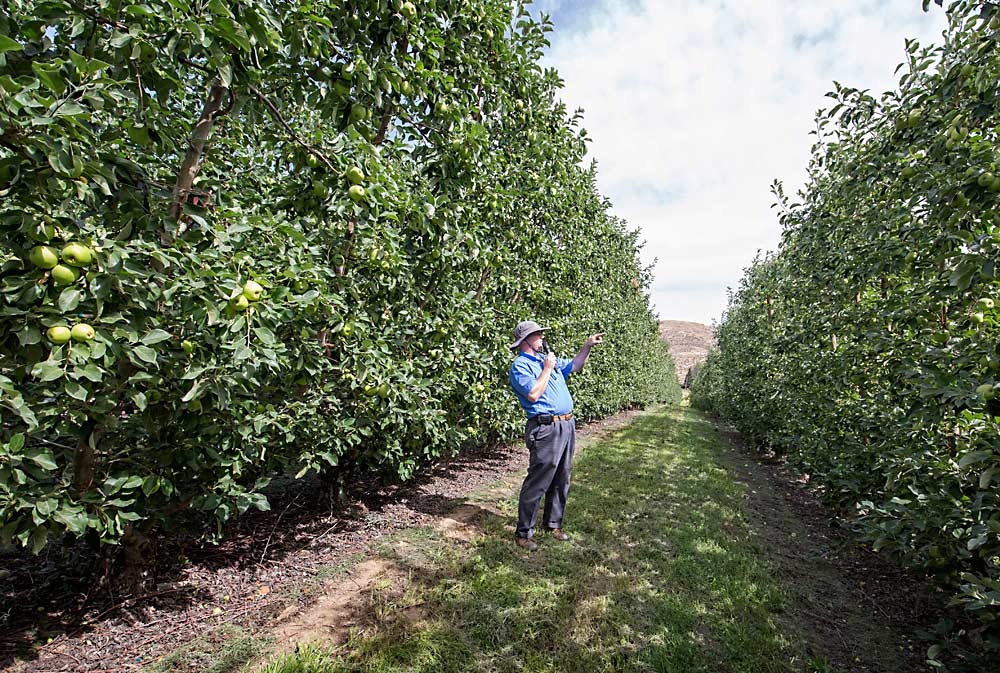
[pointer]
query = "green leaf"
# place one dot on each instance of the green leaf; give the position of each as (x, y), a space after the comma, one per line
(9, 44)
(47, 370)
(28, 335)
(145, 353)
(49, 74)
(74, 520)
(38, 539)
(140, 400)
(68, 109)
(92, 373)
(16, 443)
(76, 391)
(41, 457)
(155, 336)
(192, 392)
(69, 299)
(973, 457)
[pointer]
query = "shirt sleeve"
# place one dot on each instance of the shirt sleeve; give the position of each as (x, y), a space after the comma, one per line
(522, 379)
(565, 366)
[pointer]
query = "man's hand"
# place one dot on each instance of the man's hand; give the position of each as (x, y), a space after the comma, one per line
(550, 361)
(581, 357)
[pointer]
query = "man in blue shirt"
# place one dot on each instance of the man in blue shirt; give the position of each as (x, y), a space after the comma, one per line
(539, 381)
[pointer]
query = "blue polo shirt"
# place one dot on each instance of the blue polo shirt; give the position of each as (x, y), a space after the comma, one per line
(555, 399)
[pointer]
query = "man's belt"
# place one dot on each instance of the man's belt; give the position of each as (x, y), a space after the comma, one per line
(548, 419)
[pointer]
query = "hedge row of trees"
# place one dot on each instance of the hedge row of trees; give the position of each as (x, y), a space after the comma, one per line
(866, 349)
(312, 226)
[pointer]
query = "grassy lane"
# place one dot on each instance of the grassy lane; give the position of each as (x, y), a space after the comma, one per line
(661, 576)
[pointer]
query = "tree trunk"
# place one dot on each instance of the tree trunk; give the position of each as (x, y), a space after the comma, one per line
(192, 159)
(85, 458)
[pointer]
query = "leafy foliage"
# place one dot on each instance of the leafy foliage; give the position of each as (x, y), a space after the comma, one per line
(866, 349)
(403, 186)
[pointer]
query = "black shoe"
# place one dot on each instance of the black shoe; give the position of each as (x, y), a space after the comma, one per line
(558, 534)
(526, 543)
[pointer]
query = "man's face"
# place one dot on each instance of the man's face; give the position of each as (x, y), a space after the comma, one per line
(534, 340)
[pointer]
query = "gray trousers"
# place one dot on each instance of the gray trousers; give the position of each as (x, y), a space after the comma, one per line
(550, 460)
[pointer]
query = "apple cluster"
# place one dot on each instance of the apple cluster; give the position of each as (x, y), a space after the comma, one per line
(251, 294)
(64, 266)
(64, 269)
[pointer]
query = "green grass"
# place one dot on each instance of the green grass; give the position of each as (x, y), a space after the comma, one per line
(661, 576)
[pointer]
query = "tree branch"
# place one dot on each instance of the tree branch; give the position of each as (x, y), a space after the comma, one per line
(97, 18)
(277, 115)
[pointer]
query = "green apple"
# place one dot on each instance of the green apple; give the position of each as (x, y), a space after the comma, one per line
(356, 192)
(342, 87)
(978, 318)
(985, 304)
(441, 108)
(252, 290)
(77, 254)
(188, 346)
(358, 113)
(984, 179)
(408, 10)
(348, 329)
(383, 390)
(64, 275)
(371, 390)
(405, 87)
(58, 334)
(312, 160)
(43, 256)
(240, 303)
(355, 175)
(908, 172)
(82, 332)
(986, 390)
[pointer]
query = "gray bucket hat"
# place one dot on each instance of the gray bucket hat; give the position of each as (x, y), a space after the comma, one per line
(523, 329)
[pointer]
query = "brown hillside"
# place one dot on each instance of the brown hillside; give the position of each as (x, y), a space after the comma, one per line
(689, 343)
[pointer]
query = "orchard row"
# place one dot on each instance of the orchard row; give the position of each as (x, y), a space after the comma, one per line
(291, 240)
(866, 349)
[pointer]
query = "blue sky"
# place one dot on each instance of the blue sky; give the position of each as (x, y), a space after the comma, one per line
(694, 108)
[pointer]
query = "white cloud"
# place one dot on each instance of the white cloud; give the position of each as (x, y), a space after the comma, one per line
(695, 107)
